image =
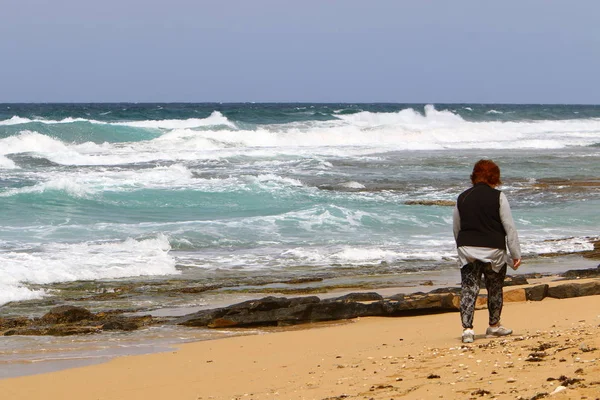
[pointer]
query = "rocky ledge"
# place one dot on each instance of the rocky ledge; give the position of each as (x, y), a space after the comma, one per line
(71, 320)
(281, 311)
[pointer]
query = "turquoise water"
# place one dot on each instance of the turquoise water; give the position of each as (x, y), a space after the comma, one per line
(235, 194)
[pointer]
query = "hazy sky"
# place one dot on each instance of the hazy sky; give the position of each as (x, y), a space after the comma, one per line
(511, 51)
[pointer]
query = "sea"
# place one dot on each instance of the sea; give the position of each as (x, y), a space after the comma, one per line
(167, 208)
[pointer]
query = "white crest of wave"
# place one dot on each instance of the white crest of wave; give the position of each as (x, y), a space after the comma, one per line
(85, 184)
(7, 163)
(559, 245)
(16, 120)
(60, 262)
(352, 185)
(348, 135)
(214, 119)
(405, 117)
(361, 255)
(61, 184)
(32, 142)
(272, 178)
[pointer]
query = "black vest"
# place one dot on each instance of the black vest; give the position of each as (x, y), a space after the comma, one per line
(480, 223)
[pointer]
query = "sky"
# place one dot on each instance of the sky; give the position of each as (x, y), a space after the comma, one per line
(421, 51)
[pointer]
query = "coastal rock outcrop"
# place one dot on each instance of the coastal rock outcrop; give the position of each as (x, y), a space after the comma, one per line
(72, 320)
(281, 311)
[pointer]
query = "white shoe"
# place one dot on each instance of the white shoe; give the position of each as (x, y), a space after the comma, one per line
(468, 336)
(496, 331)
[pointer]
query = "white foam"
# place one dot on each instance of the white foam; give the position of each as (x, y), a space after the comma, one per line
(352, 185)
(215, 119)
(16, 120)
(559, 245)
(87, 183)
(61, 262)
(349, 135)
(6, 163)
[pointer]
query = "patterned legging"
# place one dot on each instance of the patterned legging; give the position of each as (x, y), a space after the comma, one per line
(471, 277)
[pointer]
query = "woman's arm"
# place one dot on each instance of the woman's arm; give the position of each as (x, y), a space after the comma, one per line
(512, 238)
(455, 222)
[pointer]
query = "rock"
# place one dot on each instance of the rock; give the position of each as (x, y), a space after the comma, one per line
(569, 290)
(9, 323)
(121, 323)
(558, 390)
(397, 297)
(371, 296)
(235, 314)
(536, 293)
(55, 330)
(283, 311)
(69, 320)
(426, 303)
(445, 203)
(514, 280)
(66, 314)
(298, 313)
(582, 273)
(481, 302)
(453, 290)
(594, 254)
(514, 295)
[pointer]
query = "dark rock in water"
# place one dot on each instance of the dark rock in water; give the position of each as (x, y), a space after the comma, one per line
(195, 289)
(569, 290)
(594, 254)
(296, 281)
(514, 280)
(536, 293)
(445, 203)
(121, 323)
(55, 330)
(67, 314)
(71, 320)
(15, 322)
(582, 273)
(534, 275)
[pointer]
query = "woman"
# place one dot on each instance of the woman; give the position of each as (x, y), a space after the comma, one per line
(483, 226)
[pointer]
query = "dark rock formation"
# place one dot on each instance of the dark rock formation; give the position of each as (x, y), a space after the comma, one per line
(536, 293)
(594, 254)
(284, 311)
(568, 290)
(70, 320)
(515, 280)
(582, 273)
(445, 203)
(66, 315)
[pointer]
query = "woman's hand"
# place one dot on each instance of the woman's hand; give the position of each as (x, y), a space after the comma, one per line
(517, 263)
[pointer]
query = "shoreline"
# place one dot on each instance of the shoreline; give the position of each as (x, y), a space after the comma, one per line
(416, 356)
(74, 351)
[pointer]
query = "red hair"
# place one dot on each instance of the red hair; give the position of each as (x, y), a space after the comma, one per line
(486, 171)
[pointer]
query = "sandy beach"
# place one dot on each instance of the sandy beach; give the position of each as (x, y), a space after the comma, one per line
(554, 350)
